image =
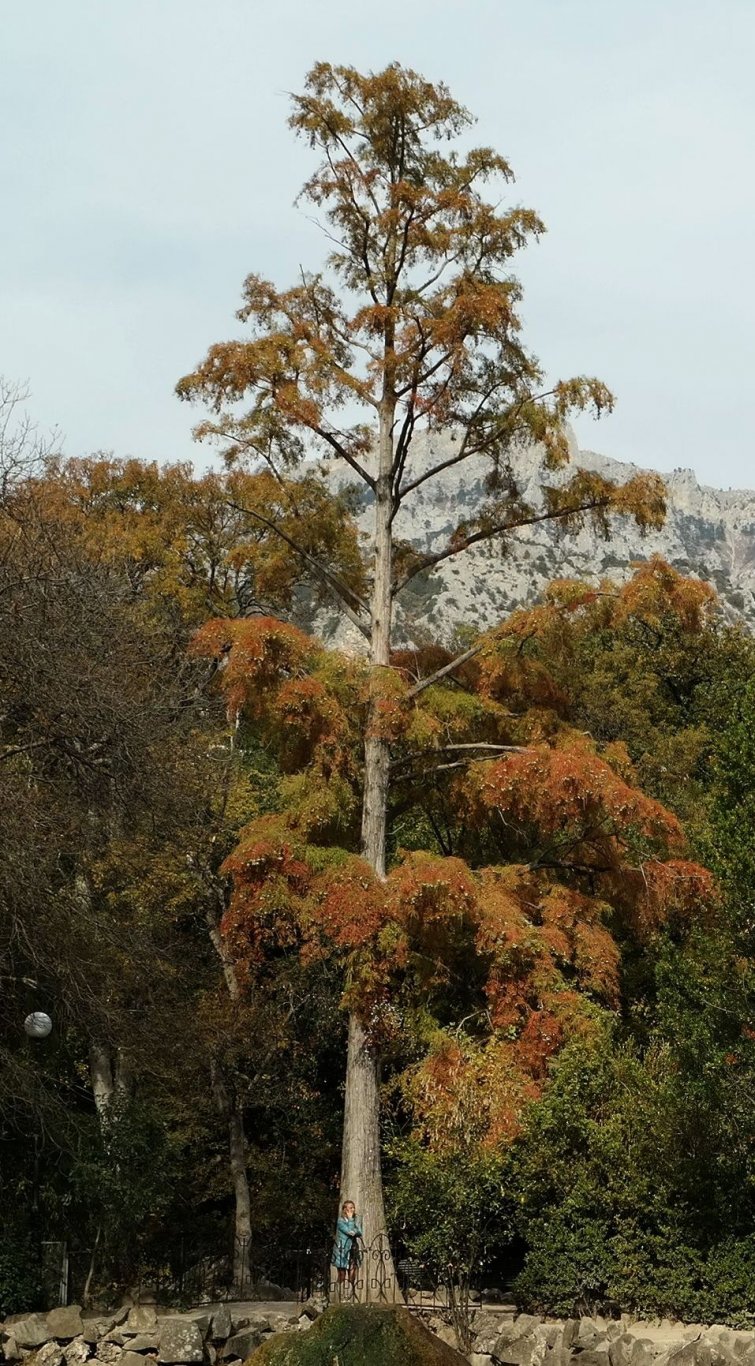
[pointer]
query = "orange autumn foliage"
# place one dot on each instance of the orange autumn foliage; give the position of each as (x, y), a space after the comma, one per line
(510, 945)
(193, 543)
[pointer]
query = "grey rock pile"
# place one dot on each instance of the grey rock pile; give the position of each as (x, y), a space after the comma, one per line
(526, 1340)
(226, 1335)
(138, 1336)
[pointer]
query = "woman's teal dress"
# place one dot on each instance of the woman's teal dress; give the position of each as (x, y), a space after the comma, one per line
(346, 1248)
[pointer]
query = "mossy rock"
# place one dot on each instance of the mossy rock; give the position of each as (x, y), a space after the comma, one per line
(358, 1335)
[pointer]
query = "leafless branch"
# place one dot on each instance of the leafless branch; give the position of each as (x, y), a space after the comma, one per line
(500, 529)
(447, 669)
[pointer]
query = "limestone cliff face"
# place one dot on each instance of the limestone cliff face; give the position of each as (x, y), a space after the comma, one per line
(708, 532)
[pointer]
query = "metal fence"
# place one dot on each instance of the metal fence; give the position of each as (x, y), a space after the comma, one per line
(184, 1274)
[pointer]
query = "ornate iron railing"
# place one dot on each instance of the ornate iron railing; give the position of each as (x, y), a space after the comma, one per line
(183, 1274)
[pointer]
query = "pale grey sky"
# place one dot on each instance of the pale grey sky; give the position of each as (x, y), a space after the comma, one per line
(145, 168)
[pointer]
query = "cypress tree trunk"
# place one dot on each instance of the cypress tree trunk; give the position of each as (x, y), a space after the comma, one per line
(361, 1175)
(229, 1107)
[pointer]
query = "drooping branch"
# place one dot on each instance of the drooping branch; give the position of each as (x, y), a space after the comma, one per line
(458, 763)
(350, 601)
(342, 453)
(11, 750)
(471, 751)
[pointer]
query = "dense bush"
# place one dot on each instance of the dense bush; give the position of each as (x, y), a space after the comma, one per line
(451, 1214)
(19, 1272)
(635, 1174)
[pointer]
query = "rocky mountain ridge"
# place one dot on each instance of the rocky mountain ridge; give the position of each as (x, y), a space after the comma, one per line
(709, 533)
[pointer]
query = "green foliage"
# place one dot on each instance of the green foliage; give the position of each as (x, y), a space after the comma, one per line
(128, 1184)
(20, 1286)
(453, 1212)
(730, 842)
(635, 1173)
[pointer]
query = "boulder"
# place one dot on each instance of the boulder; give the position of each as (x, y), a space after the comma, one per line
(76, 1351)
(49, 1354)
(558, 1355)
(142, 1318)
(94, 1328)
(524, 1351)
(595, 1356)
(31, 1331)
(201, 1318)
(643, 1353)
(278, 1323)
(143, 1342)
(620, 1350)
(571, 1329)
(510, 1330)
(181, 1341)
(549, 1333)
(486, 1329)
(695, 1353)
(526, 1323)
(108, 1352)
(359, 1335)
(268, 1290)
(479, 1359)
(11, 1349)
(65, 1324)
(242, 1344)
(220, 1325)
(587, 1333)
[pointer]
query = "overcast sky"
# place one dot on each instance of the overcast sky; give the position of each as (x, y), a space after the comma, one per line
(145, 168)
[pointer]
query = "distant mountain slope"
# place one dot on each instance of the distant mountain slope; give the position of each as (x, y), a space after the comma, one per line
(708, 532)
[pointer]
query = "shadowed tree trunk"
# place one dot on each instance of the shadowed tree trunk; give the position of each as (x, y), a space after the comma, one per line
(230, 1108)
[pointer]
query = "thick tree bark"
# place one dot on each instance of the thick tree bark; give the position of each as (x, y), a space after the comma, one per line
(226, 961)
(111, 1080)
(101, 1078)
(231, 1110)
(361, 1175)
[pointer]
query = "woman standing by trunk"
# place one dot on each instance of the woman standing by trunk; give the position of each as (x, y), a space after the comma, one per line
(347, 1251)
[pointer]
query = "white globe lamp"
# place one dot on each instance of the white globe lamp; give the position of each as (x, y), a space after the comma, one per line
(38, 1025)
